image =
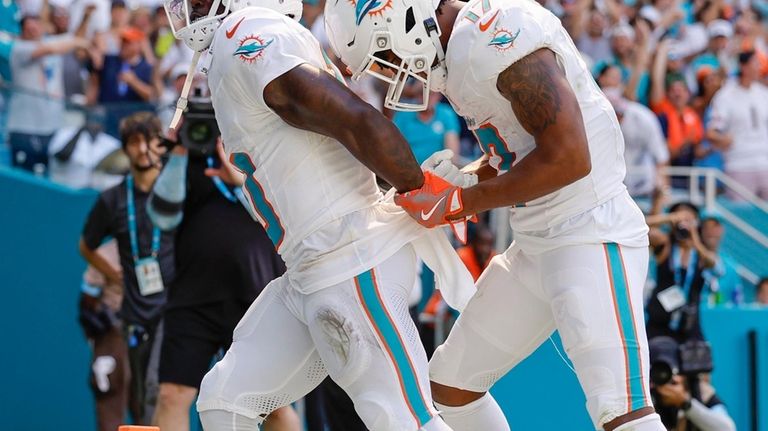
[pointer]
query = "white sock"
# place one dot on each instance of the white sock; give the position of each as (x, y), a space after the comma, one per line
(645, 423)
(481, 414)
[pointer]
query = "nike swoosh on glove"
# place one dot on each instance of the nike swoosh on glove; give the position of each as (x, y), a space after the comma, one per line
(433, 203)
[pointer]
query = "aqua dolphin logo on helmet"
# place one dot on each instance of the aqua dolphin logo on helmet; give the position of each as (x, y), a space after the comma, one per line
(503, 39)
(395, 41)
(369, 7)
(251, 48)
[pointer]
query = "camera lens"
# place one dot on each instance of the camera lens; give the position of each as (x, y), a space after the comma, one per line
(199, 132)
(661, 373)
(682, 232)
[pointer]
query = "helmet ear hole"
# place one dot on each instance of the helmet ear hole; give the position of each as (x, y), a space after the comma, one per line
(410, 20)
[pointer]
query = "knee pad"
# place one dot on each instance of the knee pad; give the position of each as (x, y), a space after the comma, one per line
(450, 366)
(375, 414)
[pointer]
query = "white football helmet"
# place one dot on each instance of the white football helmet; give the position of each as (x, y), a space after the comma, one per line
(362, 31)
(198, 33)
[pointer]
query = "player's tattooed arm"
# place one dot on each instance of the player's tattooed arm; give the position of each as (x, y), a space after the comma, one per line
(545, 105)
(311, 99)
(531, 87)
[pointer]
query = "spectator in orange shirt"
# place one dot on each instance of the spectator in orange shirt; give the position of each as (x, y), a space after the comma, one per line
(670, 100)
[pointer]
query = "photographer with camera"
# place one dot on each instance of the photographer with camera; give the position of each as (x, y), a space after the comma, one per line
(681, 390)
(681, 260)
(146, 258)
(223, 261)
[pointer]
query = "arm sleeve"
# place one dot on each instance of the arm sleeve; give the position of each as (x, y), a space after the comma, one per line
(167, 199)
(713, 418)
(97, 225)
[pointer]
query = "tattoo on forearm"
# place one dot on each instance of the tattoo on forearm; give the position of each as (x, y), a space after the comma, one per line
(530, 85)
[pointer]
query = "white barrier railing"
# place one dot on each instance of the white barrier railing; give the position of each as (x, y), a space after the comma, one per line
(708, 196)
(705, 196)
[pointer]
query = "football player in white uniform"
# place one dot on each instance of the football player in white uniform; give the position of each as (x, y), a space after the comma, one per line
(306, 146)
(553, 155)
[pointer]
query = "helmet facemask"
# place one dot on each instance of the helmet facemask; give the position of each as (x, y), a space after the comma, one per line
(197, 34)
(405, 69)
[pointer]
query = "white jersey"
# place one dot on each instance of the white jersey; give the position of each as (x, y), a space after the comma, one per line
(743, 113)
(488, 37)
(319, 205)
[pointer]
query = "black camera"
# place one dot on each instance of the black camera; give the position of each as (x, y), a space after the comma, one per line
(681, 232)
(665, 361)
(695, 357)
(669, 358)
(199, 131)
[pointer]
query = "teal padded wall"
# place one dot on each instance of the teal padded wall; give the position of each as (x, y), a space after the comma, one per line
(45, 357)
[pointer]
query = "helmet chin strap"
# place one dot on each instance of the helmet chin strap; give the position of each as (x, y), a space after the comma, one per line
(181, 104)
(437, 83)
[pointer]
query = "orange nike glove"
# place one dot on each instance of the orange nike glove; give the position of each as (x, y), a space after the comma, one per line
(433, 203)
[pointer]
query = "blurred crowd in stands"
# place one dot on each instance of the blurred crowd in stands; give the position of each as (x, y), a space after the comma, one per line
(688, 80)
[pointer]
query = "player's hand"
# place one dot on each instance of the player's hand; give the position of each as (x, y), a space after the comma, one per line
(440, 163)
(433, 202)
(226, 171)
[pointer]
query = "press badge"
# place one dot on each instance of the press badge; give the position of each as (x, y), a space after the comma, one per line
(149, 277)
(671, 298)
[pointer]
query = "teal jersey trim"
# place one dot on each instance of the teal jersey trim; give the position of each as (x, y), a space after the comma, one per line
(263, 207)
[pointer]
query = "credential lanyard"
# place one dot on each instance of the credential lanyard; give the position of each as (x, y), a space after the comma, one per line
(132, 224)
(677, 268)
(220, 184)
